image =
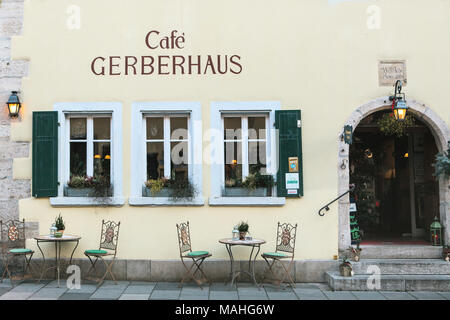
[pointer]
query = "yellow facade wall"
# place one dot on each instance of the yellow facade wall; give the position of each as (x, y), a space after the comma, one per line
(315, 55)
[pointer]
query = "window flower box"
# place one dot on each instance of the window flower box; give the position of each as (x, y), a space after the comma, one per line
(82, 192)
(164, 193)
(244, 192)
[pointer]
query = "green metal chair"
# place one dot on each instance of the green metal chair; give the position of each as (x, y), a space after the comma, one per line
(285, 248)
(13, 245)
(198, 257)
(108, 247)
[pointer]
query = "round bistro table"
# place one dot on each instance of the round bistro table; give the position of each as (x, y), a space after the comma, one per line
(254, 243)
(57, 242)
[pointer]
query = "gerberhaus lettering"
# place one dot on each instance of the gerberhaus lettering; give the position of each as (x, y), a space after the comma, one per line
(166, 64)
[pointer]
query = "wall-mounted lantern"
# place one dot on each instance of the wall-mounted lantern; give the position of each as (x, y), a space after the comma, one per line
(13, 105)
(399, 106)
(436, 233)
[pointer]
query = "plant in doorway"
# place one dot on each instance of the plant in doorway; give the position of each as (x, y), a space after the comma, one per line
(442, 164)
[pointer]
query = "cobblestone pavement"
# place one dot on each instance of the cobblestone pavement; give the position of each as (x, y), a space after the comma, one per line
(130, 290)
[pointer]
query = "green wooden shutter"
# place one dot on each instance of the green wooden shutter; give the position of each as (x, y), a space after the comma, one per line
(45, 154)
(288, 123)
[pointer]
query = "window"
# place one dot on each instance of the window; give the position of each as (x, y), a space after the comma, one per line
(167, 146)
(90, 146)
(245, 139)
(244, 149)
(166, 143)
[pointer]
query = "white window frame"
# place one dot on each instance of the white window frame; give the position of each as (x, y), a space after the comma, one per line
(140, 111)
(242, 109)
(89, 142)
(65, 111)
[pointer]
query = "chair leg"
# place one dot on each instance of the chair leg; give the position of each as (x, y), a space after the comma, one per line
(108, 270)
(288, 273)
(187, 273)
(7, 270)
(200, 269)
(270, 269)
(92, 267)
(27, 267)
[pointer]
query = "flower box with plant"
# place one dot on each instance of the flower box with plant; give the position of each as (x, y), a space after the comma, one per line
(85, 186)
(243, 229)
(179, 188)
(60, 226)
(254, 185)
(156, 188)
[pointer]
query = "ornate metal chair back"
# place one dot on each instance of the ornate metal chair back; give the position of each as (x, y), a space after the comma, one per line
(109, 235)
(12, 234)
(286, 235)
(184, 237)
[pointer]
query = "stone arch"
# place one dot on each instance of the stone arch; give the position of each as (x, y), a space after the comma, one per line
(441, 133)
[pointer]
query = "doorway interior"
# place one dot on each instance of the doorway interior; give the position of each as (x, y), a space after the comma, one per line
(396, 194)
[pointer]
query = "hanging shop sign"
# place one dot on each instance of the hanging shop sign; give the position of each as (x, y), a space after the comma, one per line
(166, 64)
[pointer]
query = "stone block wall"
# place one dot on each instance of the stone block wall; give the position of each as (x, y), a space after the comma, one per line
(11, 73)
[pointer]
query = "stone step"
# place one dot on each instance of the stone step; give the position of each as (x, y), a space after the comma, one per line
(389, 282)
(400, 252)
(403, 266)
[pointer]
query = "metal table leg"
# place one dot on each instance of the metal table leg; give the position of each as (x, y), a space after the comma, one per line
(43, 262)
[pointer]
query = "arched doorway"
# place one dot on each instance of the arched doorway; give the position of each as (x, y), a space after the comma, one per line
(432, 128)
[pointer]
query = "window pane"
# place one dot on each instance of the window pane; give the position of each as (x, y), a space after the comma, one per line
(155, 160)
(257, 157)
(233, 161)
(179, 156)
(155, 128)
(102, 159)
(78, 128)
(77, 159)
(256, 127)
(102, 128)
(178, 128)
(232, 128)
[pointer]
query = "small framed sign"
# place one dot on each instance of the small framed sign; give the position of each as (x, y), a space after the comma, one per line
(293, 164)
(292, 181)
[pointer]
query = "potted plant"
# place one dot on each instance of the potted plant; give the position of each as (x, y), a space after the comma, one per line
(156, 188)
(60, 226)
(446, 253)
(346, 268)
(356, 252)
(243, 229)
(254, 185)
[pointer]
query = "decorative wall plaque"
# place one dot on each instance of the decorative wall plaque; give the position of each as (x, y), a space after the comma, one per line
(391, 71)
